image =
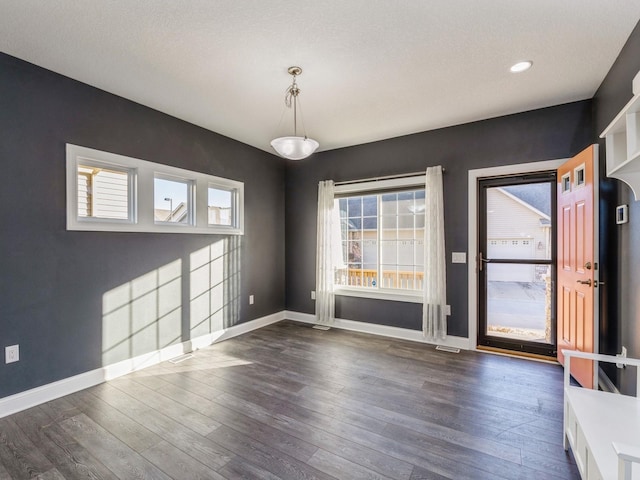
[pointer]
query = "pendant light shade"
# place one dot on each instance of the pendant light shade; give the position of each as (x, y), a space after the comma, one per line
(294, 147)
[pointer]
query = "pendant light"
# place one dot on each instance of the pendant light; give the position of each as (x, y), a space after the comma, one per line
(295, 147)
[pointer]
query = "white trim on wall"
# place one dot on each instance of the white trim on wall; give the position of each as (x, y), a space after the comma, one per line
(36, 396)
(474, 176)
(383, 330)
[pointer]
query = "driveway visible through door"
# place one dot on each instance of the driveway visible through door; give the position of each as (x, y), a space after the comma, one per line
(518, 310)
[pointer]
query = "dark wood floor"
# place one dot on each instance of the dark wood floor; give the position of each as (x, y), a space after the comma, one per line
(289, 401)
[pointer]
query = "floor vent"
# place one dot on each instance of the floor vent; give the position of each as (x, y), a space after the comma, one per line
(321, 327)
(181, 358)
(444, 348)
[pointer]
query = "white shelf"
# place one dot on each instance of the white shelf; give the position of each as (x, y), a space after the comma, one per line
(623, 143)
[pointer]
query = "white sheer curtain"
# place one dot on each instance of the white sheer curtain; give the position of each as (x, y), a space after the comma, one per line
(434, 318)
(327, 253)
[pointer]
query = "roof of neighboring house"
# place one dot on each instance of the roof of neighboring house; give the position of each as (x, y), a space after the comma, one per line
(165, 215)
(535, 194)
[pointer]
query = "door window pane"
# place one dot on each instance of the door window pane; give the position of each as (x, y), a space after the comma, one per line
(519, 301)
(519, 222)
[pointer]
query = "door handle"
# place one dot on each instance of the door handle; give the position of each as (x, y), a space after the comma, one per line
(482, 260)
(585, 282)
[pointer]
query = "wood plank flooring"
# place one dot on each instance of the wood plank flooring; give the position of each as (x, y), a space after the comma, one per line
(292, 402)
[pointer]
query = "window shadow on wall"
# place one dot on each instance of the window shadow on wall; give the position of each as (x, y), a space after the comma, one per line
(148, 313)
(214, 287)
(142, 315)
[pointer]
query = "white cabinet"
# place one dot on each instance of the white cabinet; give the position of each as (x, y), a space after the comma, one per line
(623, 142)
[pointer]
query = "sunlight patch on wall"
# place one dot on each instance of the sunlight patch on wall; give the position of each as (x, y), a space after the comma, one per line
(214, 286)
(142, 315)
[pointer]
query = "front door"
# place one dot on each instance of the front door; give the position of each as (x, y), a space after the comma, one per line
(517, 263)
(577, 261)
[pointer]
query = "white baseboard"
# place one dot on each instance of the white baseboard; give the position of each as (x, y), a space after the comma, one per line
(384, 330)
(36, 396)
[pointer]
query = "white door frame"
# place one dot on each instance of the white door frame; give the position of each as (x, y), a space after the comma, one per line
(474, 176)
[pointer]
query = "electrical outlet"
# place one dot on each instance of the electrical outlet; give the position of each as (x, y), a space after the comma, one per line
(447, 309)
(12, 353)
(622, 354)
(251, 299)
(313, 294)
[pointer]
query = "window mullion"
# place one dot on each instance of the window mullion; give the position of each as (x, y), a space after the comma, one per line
(91, 191)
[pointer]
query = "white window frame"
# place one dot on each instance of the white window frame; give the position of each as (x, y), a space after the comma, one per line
(376, 187)
(191, 204)
(131, 191)
(141, 197)
(236, 199)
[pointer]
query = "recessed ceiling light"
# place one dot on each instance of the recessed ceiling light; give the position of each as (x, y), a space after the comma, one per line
(521, 67)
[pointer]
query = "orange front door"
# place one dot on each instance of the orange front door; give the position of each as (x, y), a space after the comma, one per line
(577, 261)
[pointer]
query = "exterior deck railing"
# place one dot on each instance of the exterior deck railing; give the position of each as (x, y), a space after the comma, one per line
(355, 277)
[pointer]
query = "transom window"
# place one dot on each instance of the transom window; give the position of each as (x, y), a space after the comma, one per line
(172, 200)
(110, 192)
(382, 238)
(220, 205)
(103, 192)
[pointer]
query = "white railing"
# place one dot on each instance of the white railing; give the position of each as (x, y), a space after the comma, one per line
(355, 277)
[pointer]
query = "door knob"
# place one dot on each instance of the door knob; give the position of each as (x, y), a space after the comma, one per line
(585, 282)
(587, 265)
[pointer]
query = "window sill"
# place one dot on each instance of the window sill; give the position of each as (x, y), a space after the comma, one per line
(408, 297)
(106, 225)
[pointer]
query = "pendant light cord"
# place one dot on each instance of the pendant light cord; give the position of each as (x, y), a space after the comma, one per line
(291, 98)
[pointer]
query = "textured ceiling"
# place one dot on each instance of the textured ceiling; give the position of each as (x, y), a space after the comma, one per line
(373, 69)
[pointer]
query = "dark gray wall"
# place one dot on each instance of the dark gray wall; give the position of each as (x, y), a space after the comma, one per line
(545, 134)
(52, 281)
(620, 249)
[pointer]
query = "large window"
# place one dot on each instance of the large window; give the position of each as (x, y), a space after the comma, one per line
(382, 236)
(109, 192)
